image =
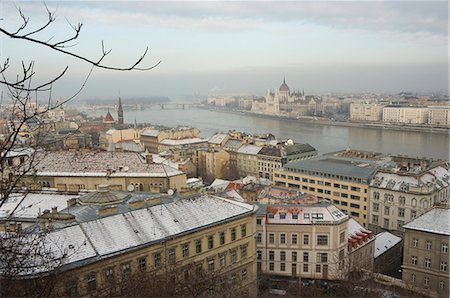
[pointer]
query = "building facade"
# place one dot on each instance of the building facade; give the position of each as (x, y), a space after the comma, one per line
(406, 115)
(439, 115)
(426, 251)
(360, 111)
(309, 241)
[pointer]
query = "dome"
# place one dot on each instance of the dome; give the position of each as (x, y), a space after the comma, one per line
(284, 87)
(103, 197)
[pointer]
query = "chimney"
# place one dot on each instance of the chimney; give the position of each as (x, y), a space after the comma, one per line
(71, 202)
(107, 210)
(54, 209)
(149, 158)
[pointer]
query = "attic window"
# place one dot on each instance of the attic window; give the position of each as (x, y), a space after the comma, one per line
(271, 215)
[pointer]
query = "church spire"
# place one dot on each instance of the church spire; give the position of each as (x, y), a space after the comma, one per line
(120, 112)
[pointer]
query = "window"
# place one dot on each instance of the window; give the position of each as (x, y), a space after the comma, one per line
(306, 216)
(109, 274)
(386, 223)
(401, 212)
(198, 246)
(413, 278)
(305, 267)
(443, 266)
(306, 239)
(342, 237)
(243, 230)
(233, 256)
(271, 266)
(415, 242)
(234, 279)
(126, 270)
(400, 224)
(258, 237)
(271, 215)
(294, 239)
(428, 246)
(375, 219)
(271, 255)
(222, 238)
(271, 238)
(414, 260)
(322, 239)
(282, 215)
(185, 250)
(91, 281)
(427, 263)
(259, 254)
(414, 202)
(441, 284)
(295, 216)
(157, 259)
(282, 256)
(322, 257)
(386, 210)
(413, 214)
(444, 247)
(305, 257)
(318, 268)
(258, 221)
(210, 242)
(294, 256)
(282, 266)
(223, 260)
(376, 207)
(142, 264)
(376, 195)
(243, 251)
(426, 281)
(282, 238)
(233, 234)
(211, 265)
(244, 274)
(402, 200)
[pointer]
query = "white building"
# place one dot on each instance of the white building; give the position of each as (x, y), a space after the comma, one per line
(439, 115)
(407, 115)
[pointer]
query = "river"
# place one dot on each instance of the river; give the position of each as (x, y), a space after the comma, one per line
(326, 138)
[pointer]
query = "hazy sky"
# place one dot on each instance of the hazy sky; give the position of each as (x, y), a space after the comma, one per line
(242, 47)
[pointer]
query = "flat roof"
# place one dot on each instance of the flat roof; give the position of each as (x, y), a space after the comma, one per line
(436, 220)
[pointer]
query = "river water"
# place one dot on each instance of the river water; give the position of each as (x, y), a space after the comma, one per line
(326, 138)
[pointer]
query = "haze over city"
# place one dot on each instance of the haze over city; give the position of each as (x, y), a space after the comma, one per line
(243, 47)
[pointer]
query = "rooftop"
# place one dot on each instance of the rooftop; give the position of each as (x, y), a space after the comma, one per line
(249, 149)
(334, 166)
(436, 220)
(99, 164)
(218, 138)
(383, 242)
(99, 239)
(186, 141)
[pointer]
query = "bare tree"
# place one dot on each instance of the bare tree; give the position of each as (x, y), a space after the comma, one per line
(23, 109)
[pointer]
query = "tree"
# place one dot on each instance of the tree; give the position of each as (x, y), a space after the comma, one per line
(19, 251)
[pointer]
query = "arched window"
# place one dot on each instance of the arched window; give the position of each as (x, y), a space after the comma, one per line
(424, 204)
(414, 202)
(376, 195)
(402, 200)
(141, 187)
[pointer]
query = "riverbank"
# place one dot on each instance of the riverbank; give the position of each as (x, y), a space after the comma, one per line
(321, 121)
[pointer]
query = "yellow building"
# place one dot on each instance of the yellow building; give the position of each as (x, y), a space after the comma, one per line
(84, 170)
(152, 137)
(202, 235)
(338, 178)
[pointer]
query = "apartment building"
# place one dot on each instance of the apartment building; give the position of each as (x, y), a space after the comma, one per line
(157, 139)
(341, 178)
(247, 160)
(405, 114)
(401, 195)
(201, 235)
(306, 240)
(360, 111)
(439, 115)
(84, 170)
(272, 158)
(426, 251)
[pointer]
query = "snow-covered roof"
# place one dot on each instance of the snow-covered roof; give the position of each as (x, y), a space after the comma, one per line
(436, 220)
(320, 213)
(249, 149)
(110, 235)
(436, 178)
(30, 205)
(217, 138)
(187, 141)
(100, 164)
(219, 184)
(151, 132)
(14, 152)
(383, 242)
(232, 145)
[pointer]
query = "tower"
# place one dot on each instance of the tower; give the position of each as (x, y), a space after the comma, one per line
(120, 112)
